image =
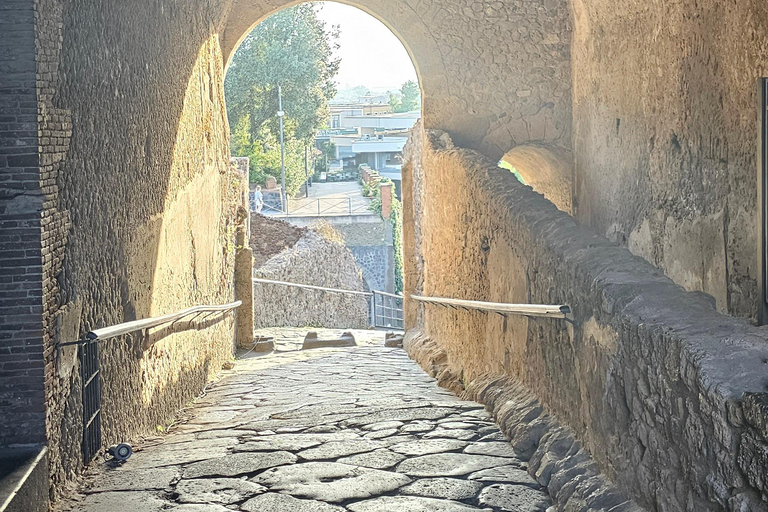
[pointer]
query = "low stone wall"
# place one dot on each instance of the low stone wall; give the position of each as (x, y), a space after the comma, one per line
(556, 459)
(314, 260)
(667, 395)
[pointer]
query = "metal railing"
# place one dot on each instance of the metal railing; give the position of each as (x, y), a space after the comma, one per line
(537, 310)
(388, 310)
(385, 309)
(311, 287)
(89, 364)
(328, 206)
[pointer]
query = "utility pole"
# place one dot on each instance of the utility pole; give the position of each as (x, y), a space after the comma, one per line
(306, 170)
(281, 114)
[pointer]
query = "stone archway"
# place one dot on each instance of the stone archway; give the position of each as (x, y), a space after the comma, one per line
(493, 75)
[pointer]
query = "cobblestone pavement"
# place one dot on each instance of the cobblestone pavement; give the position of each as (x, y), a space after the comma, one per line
(360, 429)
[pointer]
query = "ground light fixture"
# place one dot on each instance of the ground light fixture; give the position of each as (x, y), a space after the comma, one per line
(120, 452)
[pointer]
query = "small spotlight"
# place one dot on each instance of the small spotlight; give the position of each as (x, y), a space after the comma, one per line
(120, 452)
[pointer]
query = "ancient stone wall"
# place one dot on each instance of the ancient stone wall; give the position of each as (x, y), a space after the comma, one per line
(666, 394)
(372, 246)
(311, 259)
(138, 218)
(665, 136)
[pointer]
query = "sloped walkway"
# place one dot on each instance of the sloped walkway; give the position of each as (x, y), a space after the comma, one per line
(359, 429)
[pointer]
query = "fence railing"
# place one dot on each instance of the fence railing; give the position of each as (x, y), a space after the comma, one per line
(89, 364)
(328, 206)
(388, 310)
(385, 309)
(538, 310)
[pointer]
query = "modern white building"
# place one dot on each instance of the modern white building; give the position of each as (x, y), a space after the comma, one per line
(364, 133)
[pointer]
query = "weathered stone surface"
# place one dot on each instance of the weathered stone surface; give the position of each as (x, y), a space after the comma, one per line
(428, 446)
(451, 433)
(499, 449)
(377, 459)
(217, 490)
(384, 425)
(289, 442)
(449, 464)
(238, 464)
(134, 501)
(272, 502)
(507, 474)
(330, 481)
(288, 404)
(196, 507)
(347, 339)
(417, 427)
(445, 488)
(123, 479)
(336, 449)
(410, 504)
(181, 455)
(643, 355)
(514, 498)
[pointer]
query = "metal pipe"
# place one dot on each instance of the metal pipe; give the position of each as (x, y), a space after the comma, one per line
(539, 310)
(281, 114)
(147, 323)
(311, 287)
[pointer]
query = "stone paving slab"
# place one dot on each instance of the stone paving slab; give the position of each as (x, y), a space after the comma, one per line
(351, 429)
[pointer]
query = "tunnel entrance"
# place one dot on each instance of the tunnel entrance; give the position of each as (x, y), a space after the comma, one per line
(547, 170)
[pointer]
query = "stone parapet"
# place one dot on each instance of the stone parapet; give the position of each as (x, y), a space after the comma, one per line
(665, 393)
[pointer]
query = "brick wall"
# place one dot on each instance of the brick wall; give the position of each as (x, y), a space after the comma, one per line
(22, 396)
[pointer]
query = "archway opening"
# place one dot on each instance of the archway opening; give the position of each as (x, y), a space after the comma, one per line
(321, 99)
(546, 170)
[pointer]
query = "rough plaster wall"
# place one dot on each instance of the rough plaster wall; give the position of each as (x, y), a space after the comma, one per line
(493, 74)
(650, 377)
(665, 136)
(145, 180)
(316, 261)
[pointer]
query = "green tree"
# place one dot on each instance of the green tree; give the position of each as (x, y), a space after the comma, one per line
(293, 49)
(407, 99)
(411, 96)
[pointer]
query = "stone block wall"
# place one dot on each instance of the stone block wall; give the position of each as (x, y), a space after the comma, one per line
(668, 395)
(310, 259)
(372, 246)
(376, 264)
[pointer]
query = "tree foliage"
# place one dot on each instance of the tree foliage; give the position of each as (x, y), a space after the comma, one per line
(293, 49)
(408, 99)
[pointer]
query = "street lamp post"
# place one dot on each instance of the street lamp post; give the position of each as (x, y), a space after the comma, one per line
(281, 114)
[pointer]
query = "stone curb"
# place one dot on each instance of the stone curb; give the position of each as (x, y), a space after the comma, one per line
(558, 461)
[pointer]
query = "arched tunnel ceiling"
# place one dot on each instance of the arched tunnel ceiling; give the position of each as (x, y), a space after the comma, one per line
(493, 74)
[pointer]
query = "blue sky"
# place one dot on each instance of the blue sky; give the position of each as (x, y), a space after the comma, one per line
(371, 55)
